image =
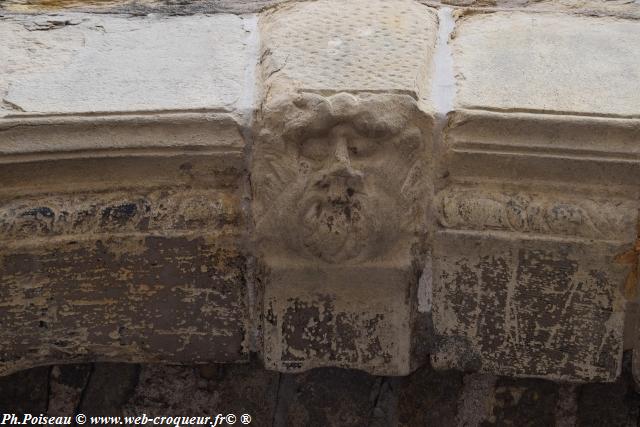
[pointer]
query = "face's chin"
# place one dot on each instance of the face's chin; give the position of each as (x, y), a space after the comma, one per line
(336, 230)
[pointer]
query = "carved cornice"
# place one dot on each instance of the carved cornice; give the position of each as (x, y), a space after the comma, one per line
(163, 210)
(536, 213)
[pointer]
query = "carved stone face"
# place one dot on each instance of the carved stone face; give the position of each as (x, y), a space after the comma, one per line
(339, 175)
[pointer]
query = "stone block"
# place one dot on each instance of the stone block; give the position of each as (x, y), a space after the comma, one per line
(82, 63)
(340, 167)
(341, 316)
(331, 46)
(331, 397)
(107, 255)
(114, 270)
(122, 298)
(537, 199)
(543, 67)
(122, 171)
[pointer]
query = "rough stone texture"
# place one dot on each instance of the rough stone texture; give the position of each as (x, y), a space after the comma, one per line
(622, 8)
(430, 398)
(476, 401)
(25, 392)
(137, 7)
(351, 395)
(207, 390)
(59, 306)
(528, 308)
(409, 192)
(523, 402)
(337, 181)
(325, 396)
(66, 386)
(121, 214)
(114, 266)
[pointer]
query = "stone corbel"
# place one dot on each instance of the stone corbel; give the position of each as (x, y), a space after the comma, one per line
(340, 175)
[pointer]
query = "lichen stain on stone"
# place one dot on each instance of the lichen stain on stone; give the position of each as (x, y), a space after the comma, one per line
(534, 310)
(86, 302)
(317, 330)
(632, 259)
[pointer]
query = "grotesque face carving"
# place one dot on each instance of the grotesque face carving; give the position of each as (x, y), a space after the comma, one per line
(338, 178)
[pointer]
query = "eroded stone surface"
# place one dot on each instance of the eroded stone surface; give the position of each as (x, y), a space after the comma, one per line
(621, 8)
(122, 299)
(337, 181)
(535, 264)
(122, 154)
(537, 201)
(122, 145)
(529, 307)
(207, 390)
(336, 191)
(108, 251)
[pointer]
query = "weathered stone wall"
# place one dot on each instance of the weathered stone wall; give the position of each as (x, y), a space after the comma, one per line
(378, 185)
(323, 396)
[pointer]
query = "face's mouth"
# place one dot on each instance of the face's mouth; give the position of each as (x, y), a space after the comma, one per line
(334, 228)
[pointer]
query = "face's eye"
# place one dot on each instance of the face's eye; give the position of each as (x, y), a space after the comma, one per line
(315, 149)
(361, 147)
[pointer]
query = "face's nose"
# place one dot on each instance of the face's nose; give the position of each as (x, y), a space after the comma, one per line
(340, 179)
(341, 152)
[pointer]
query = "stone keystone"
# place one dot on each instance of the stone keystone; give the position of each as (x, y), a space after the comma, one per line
(340, 176)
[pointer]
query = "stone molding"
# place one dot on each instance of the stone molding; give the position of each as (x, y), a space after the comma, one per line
(375, 185)
(554, 214)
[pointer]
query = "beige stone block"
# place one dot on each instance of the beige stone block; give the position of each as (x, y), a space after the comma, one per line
(548, 63)
(82, 63)
(522, 304)
(338, 219)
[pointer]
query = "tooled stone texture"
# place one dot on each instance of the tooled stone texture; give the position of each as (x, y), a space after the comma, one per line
(360, 45)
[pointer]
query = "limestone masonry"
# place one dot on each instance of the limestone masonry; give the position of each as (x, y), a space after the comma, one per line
(379, 185)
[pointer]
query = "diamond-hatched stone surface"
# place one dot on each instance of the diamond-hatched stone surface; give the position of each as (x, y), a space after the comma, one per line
(350, 46)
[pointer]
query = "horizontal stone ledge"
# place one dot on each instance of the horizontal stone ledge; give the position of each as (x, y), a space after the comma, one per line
(374, 185)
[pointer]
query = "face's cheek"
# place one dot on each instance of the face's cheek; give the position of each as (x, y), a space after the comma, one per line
(385, 173)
